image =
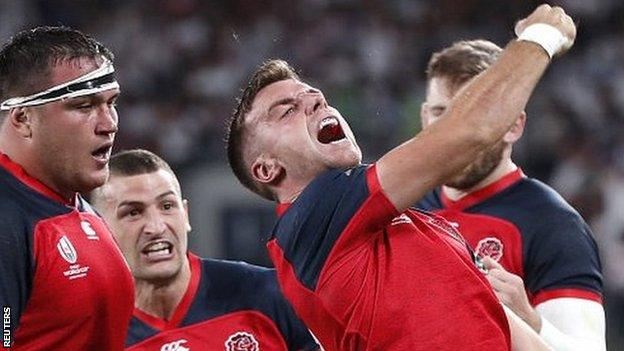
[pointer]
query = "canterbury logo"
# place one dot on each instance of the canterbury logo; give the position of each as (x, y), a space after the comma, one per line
(175, 346)
(67, 251)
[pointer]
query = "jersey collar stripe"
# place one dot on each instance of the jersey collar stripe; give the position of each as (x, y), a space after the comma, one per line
(281, 208)
(18, 172)
(189, 296)
(182, 308)
(482, 194)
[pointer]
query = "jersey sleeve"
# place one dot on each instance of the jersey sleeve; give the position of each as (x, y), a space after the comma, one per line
(310, 228)
(295, 333)
(562, 261)
(15, 263)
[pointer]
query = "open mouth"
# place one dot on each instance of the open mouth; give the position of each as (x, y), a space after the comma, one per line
(103, 153)
(330, 131)
(157, 249)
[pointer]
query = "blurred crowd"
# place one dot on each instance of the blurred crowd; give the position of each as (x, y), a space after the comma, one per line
(182, 62)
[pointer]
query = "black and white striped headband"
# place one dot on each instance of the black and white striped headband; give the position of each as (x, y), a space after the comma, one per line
(96, 81)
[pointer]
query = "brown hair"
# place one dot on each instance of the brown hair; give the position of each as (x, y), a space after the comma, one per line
(237, 135)
(463, 61)
(25, 60)
(134, 162)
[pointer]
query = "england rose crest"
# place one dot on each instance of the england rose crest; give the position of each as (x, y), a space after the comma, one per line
(490, 247)
(242, 341)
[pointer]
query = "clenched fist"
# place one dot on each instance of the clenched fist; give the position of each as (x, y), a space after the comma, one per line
(554, 17)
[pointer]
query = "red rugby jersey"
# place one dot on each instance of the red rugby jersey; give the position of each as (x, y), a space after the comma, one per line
(363, 276)
(229, 306)
(62, 277)
(531, 231)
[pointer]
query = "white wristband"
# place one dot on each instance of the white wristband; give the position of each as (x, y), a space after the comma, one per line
(546, 36)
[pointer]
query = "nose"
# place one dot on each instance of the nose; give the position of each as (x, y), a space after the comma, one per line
(314, 102)
(154, 223)
(107, 120)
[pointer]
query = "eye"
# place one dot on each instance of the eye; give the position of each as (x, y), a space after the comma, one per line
(133, 213)
(84, 106)
(289, 111)
(168, 205)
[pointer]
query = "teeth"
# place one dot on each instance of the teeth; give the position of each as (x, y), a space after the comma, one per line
(158, 253)
(327, 121)
(157, 247)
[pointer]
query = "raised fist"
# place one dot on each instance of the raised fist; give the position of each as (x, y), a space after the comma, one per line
(554, 17)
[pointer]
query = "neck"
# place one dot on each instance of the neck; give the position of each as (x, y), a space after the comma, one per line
(20, 153)
(504, 167)
(288, 190)
(161, 299)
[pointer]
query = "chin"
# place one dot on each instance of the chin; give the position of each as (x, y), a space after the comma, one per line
(92, 181)
(159, 275)
(348, 160)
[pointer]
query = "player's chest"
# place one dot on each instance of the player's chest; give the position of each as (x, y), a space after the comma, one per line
(76, 260)
(489, 236)
(240, 331)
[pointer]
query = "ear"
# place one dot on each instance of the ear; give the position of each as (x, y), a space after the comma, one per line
(186, 211)
(516, 130)
(21, 121)
(425, 119)
(266, 170)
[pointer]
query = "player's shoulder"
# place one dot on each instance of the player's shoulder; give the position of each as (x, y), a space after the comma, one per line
(327, 191)
(538, 211)
(15, 209)
(20, 202)
(537, 197)
(332, 182)
(239, 276)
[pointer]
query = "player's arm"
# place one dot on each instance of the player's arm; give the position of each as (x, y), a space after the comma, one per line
(479, 115)
(522, 336)
(566, 324)
(572, 324)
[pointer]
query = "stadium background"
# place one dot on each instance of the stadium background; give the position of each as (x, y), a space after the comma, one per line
(181, 62)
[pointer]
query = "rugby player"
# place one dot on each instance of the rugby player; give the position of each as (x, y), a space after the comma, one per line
(529, 236)
(62, 278)
(360, 269)
(184, 302)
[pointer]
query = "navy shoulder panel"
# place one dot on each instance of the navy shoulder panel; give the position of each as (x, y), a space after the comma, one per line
(559, 250)
(21, 208)
(227, 287)
(309, 229)
(430, 202)
(138, 331)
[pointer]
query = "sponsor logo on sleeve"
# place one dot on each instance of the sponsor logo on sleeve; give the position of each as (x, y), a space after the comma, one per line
(241, 341)
(177, 345)
(89, 231)
(66, 249)
(490, 247)
(69, 254)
